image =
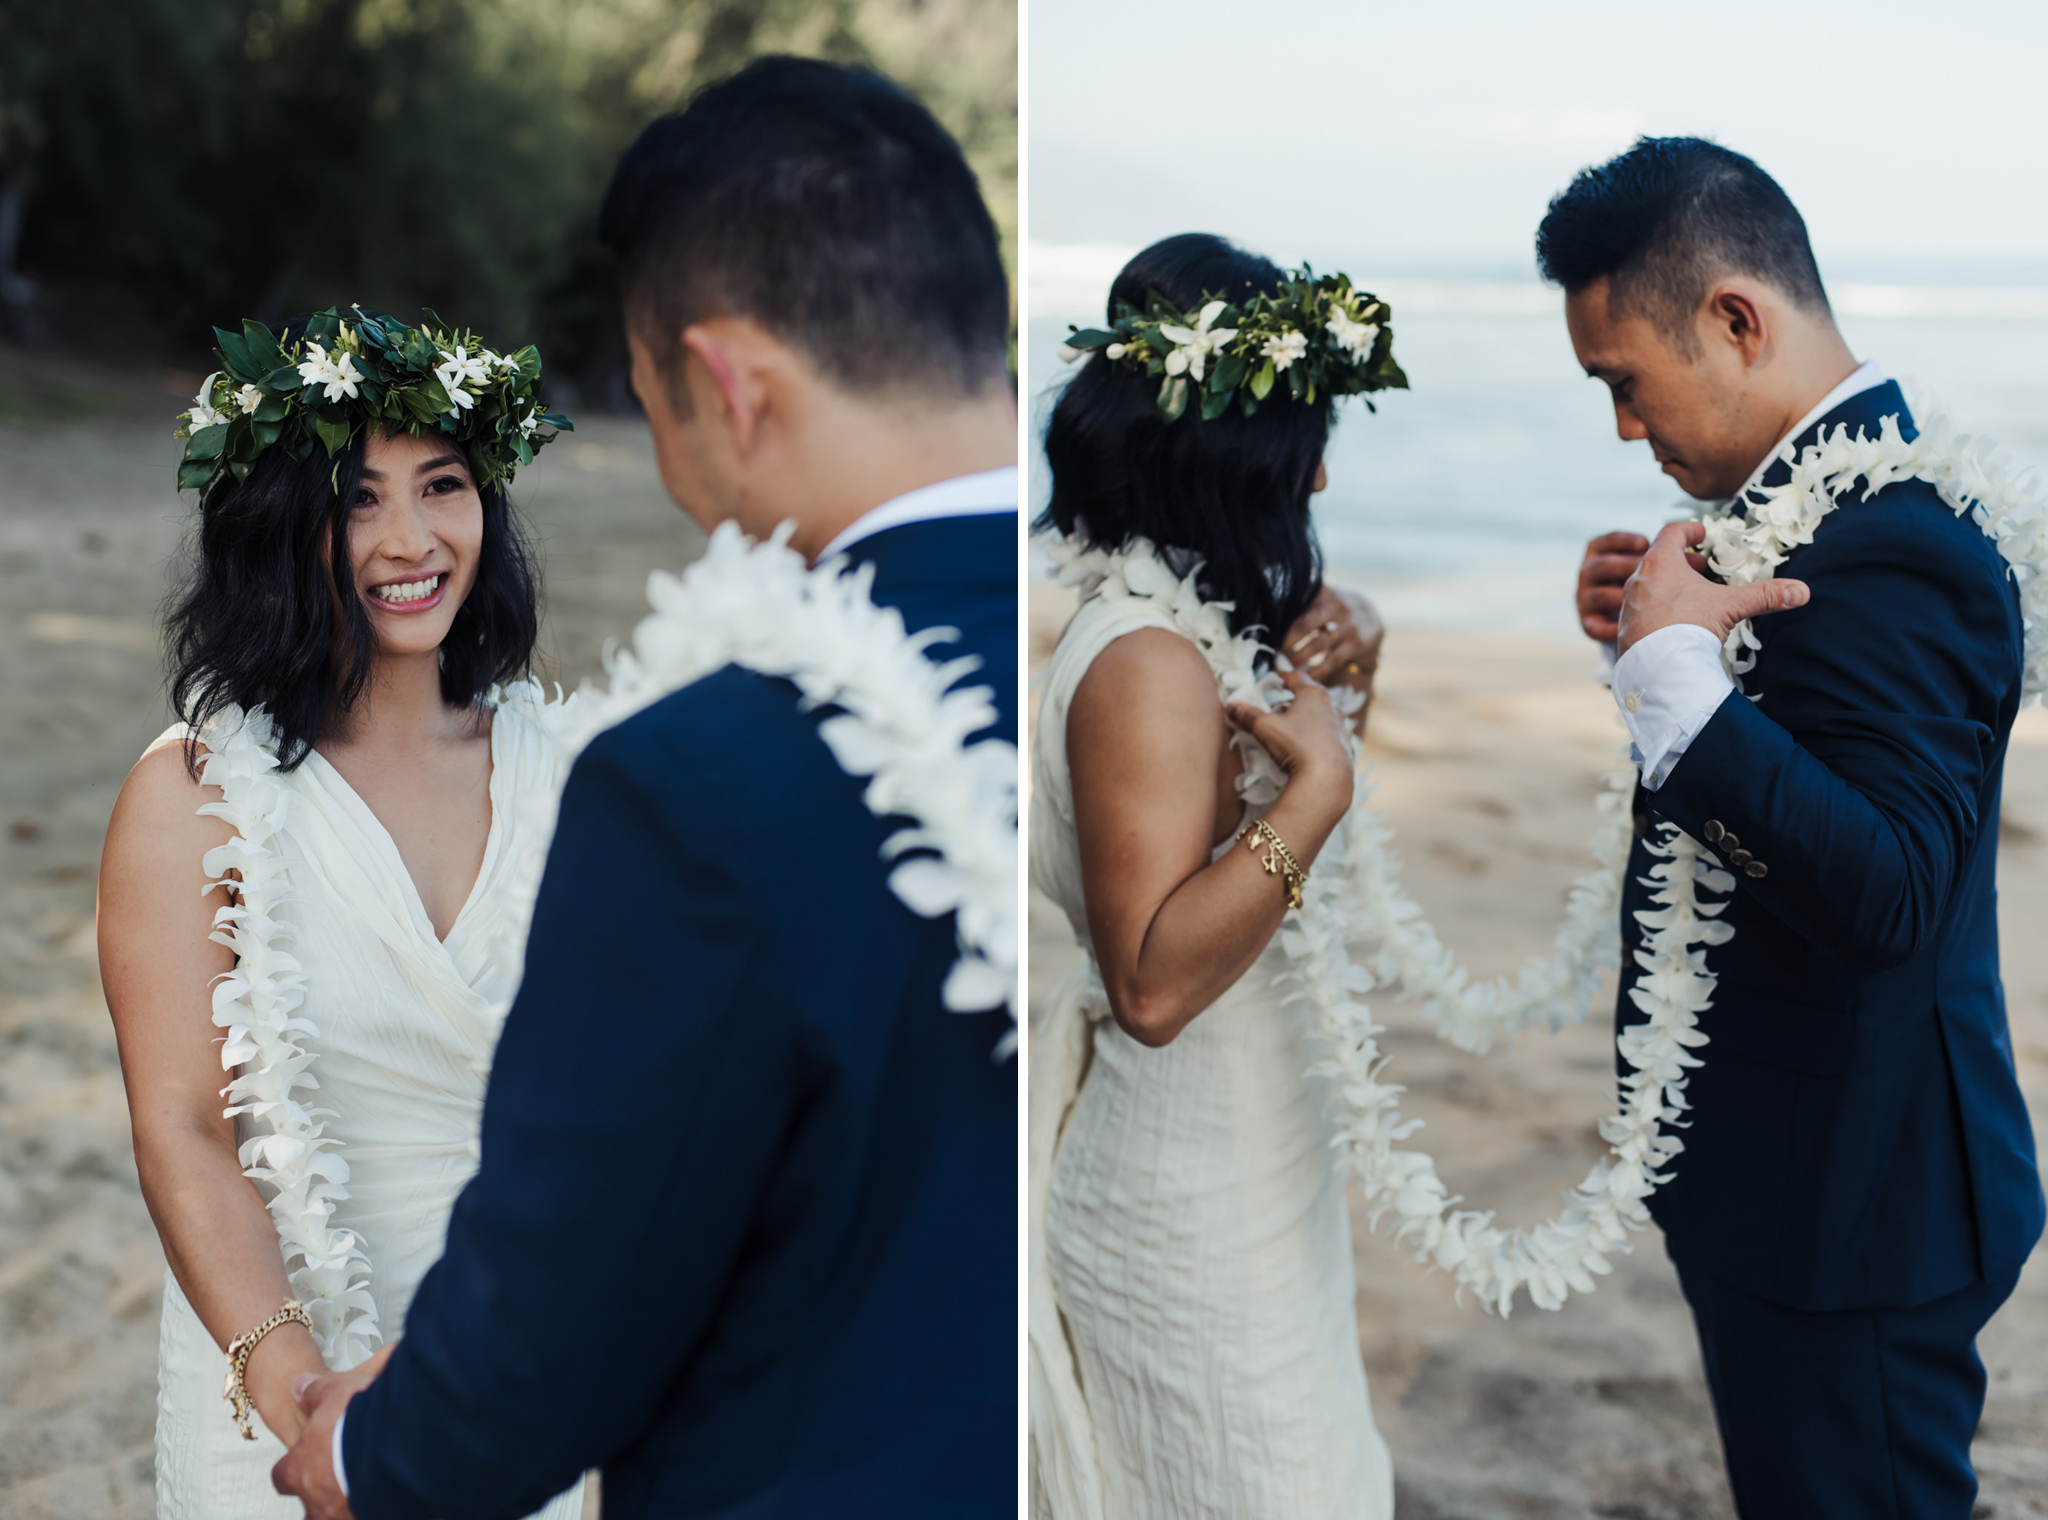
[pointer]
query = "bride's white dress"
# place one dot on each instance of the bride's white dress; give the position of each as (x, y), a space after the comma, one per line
(1193, 1339)
(406, 1026)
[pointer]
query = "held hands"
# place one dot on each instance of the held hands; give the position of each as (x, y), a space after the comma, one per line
(306, 1472)
(1306, 740)
(1668, 589)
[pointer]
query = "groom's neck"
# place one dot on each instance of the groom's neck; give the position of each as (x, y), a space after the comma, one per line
(854, 453)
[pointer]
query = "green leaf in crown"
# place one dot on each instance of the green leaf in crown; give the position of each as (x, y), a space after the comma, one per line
(1313, 336)
(349, 374)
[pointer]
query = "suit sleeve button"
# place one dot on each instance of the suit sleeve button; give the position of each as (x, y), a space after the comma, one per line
(1738, 857)
(1729, 841)
(1756, 870)
(1713, 831)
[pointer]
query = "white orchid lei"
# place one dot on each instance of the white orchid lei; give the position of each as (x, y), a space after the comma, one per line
(1750, 537)
(258, 1003)
(1355, 891)
(1314, 333)
(903, 725)
(1354, 894)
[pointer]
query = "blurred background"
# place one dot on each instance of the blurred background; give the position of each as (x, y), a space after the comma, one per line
(1415, 147)
(169, 165)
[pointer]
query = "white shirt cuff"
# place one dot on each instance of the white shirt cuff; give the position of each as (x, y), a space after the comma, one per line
(1667, 686)
(340, 1472)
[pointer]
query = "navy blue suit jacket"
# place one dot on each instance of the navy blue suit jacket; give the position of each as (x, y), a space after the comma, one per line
(744, 1233)
(1857, 1136)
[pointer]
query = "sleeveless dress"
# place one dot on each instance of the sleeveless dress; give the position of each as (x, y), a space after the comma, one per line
(403, 1028)
(1193, 1337)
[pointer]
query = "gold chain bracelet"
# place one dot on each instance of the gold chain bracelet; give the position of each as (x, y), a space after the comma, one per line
(238, 1360)
(1278, 859)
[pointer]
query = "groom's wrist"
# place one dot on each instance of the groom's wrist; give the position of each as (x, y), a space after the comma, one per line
(1667, 685)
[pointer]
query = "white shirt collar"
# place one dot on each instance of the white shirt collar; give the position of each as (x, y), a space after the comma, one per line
(1865, 377)
(977, 495)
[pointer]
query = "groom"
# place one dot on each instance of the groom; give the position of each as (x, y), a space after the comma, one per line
(744, 1234)
(1858, 1187)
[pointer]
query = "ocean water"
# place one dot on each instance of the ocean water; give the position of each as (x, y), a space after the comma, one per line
(1467, 501)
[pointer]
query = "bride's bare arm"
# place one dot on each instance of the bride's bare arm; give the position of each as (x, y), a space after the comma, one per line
(158, 966)
(1147, 746)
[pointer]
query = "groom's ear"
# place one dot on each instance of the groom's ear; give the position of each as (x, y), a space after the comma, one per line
(737, 374)
(1736, 318)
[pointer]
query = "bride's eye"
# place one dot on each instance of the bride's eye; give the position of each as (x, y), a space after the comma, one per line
(441, 485)
(364, 497)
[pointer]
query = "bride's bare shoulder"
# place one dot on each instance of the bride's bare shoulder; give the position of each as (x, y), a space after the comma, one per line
(1149, 675)
(156, 817)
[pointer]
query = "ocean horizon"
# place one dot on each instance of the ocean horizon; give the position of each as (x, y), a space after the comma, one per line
(1467, 500)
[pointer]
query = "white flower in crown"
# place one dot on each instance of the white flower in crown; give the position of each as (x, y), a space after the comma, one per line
(529, 422)
(1285, 349)
(248, 398)
(1354, 337)
(1114, 351)
(202, 414)
(1196, 343)
(336, 374)
(459, 369)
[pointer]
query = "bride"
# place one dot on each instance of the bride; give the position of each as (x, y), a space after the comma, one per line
(1194, 1348)
(320, 861)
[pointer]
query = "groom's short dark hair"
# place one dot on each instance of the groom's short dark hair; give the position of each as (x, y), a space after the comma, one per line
(1668, 218)
(827, 204)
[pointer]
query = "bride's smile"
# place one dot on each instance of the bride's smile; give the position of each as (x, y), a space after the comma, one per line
(415, 532)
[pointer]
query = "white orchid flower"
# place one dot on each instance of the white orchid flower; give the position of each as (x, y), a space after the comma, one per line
(459, 369)
(529, 422)
(1285, 349)
(1115, 351)
(464, 368)
(248, 398)
(1355, 338)
(1195, 344)
(336, 374)
(203, 414)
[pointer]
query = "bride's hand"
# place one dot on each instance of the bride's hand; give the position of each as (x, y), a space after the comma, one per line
(1306, 740)
(1337, 639)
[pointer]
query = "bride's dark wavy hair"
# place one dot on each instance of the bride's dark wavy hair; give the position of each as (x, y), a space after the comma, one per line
(1232, 489)
(269, 615)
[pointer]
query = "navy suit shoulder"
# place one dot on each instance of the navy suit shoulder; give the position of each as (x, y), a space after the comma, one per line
(1857, 1137)
(745, 1231)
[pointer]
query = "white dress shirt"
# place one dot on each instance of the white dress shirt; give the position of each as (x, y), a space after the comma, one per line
(976, 495)
(979, 495)
(1671, 682)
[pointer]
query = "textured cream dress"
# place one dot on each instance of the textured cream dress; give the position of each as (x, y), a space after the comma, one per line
(1193, 1341)
(403, 1027)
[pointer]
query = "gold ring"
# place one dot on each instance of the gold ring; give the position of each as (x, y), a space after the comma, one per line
(1353, 668)
(1331, 626)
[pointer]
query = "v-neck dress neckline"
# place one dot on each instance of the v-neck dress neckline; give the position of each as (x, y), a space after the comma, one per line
(373, 829)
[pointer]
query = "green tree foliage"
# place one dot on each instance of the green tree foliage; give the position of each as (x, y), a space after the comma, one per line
(181, 163)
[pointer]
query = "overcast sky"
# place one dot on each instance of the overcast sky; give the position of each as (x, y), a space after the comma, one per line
(1419, 135)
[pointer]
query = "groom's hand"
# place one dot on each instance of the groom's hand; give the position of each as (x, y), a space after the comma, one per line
(1668, 589)
(306, 1472)
(1610, 560)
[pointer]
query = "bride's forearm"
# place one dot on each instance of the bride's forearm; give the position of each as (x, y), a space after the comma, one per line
(1208, 932)
(222, 1247)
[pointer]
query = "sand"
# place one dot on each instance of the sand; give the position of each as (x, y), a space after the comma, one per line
(1489, 751)
(88, 524)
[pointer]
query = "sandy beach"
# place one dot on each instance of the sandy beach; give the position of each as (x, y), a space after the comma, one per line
(1489, 751)
(88, 526)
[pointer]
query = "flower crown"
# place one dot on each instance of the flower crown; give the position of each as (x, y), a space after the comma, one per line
(1315, 332)
(356, 374)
